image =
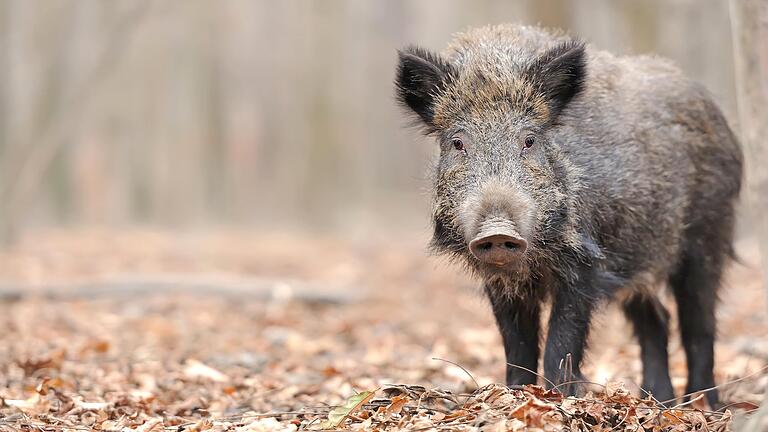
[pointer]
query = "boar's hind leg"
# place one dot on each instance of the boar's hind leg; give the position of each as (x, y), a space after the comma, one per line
(518, 321)
(695, 286)
(650, 321)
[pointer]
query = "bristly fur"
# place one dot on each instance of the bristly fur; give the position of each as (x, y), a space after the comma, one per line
(631, 181)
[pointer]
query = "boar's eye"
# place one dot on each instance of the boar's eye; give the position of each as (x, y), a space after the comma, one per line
(529, 140)
(458, 144)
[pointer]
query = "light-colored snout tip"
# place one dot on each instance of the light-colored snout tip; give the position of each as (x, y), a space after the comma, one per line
(498, 248)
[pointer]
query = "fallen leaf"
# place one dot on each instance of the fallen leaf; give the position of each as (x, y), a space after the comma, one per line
(543, 394)
(92, 406)
(747, 406)
(200, 426)
(330, 371)
(397, 404)
(456, 414)
(98, 346)
(438, 416)
(672, 417)
(196, 369)
(35, 405)
(340, 413)
(52, 360)
(532, 411)
(154, 424)
(268, 424)
(617, 392)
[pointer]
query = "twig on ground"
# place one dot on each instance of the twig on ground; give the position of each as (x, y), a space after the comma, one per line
(477, 386)
(757, 372)
(533, 372)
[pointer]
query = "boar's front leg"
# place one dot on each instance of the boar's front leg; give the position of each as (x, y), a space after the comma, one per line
(575, 299)
(518, 321)
(567, 337)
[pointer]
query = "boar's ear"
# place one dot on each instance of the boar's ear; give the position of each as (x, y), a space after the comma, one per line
(421, 75)
(559, 74)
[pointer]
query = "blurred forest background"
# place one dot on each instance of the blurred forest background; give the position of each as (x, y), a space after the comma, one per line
(266, 114)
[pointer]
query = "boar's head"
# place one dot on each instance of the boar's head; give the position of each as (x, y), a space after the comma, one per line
(501, 182)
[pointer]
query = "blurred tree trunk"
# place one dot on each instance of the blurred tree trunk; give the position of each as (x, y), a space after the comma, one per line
(749, 23)
(5, 32)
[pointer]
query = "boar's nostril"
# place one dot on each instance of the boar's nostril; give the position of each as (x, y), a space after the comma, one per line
(510, 245)
(485, 246)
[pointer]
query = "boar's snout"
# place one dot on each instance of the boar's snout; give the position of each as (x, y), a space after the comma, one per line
(497, 223)
(498, 247)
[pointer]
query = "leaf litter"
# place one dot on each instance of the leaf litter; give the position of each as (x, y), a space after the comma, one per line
(185, 360)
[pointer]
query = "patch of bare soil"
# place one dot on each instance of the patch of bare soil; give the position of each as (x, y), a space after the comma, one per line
(244, 331)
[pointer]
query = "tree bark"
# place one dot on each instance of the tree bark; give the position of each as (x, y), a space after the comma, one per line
(749, 25)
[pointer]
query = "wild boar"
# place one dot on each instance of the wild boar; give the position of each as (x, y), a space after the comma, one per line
(572, 177)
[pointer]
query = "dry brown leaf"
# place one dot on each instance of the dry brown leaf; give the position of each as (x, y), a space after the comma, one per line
(268, 424)
(532, 412)
(330, 371)
(674, 417)
(196, 369)
(98, 346)
(151, 425)
(200, 426)
(51, 360)
(397, 404)
(35, 405)
(744, 405)
(617, 392)
(544, 394)
(456, 414)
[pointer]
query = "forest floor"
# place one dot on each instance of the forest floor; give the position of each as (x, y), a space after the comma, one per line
(242, 331)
